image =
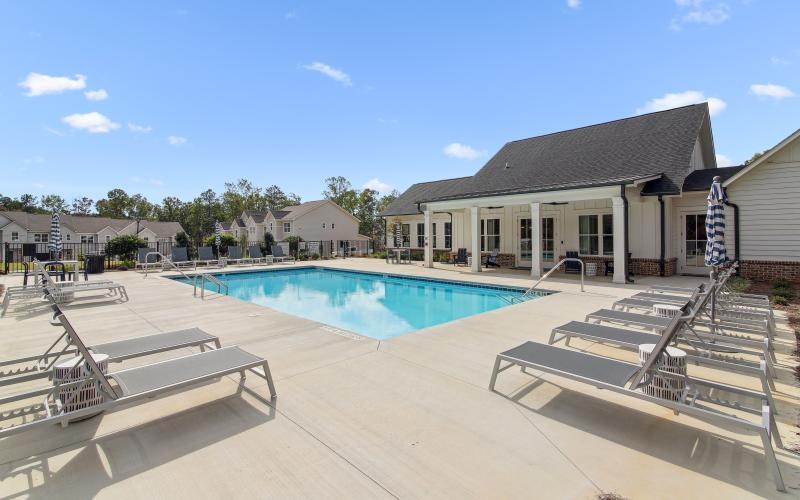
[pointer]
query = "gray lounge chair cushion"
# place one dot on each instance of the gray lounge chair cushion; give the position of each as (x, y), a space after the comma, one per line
(186, 369)
(205, 253)
(277, 251)
(179, 254)
(574, 364)
(631, 318)
(662, 298)
(123, 349)
(255, 252)
(619, 336)
(142, 256)
(235, 253)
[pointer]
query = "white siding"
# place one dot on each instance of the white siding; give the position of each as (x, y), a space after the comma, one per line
(309, 225)
(696, 161)
(769, 207)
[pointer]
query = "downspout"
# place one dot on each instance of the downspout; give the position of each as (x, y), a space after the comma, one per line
(735, 229)
(625, 219)
(661, 259)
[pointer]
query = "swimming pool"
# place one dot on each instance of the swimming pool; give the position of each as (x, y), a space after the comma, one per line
(375, 305)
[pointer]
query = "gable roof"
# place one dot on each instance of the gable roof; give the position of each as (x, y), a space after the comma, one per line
(161, 229)
(406, 203)
(700, 180)
(766, 156)
(87, 224)
(258, 217)
(297, 211)
(656, 147)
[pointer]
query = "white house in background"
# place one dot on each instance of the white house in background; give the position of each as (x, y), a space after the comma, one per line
(632, 187)
(320, 220)
(22, 227)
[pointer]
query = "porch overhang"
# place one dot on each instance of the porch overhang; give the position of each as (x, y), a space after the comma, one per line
(561, 196)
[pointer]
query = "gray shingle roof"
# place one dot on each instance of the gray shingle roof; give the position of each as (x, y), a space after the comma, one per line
(654, 144)
(406, 203)
(700, 180)
(89, 224)
(258, 217)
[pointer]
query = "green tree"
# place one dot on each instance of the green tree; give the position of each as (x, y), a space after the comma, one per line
(117, 204)
(53, 203)
(340, 191)
(225, 241)
(26, 203)
(181, 239)
(269, 240)
(82, 206)
(125, 246)
(171, 209)
(755, 157)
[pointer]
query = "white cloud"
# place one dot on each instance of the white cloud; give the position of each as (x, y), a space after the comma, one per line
(96, 95)
(462, 151)
(53, 131)
(678, 99)
(779, 61)
(94, 122)
(775, 91)
(331, 72)
(723, 161)
(142, 129)
(157, 182)
(176, 140)
(377, 185)
(574, 4)
(34, 160)
(701, 12)
(39, 84)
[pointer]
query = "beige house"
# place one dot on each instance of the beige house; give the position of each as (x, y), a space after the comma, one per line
(633, 187)
(320, 220)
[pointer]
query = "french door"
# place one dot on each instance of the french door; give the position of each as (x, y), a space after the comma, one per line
(548, 242)
(693, 239)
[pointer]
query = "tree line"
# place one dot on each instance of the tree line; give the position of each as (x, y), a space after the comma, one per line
(197, 216)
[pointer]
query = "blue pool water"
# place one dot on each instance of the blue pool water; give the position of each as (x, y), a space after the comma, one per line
(375, 305)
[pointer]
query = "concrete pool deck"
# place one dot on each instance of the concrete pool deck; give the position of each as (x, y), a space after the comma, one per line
(408, 417)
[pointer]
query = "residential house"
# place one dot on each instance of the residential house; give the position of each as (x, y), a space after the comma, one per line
(320, 220)
(632, 187)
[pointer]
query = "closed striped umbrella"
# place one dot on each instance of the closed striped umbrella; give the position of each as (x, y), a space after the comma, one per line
(54, 243)
(398, 235)
(715, 226)
(217, 232)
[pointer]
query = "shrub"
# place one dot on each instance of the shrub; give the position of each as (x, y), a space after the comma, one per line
(269, 240)
(379, 255)
(225, 240)
(739, 284)
(314, 256)
(125, 246)
(781, 283)
(293, 243)
(780, 300)
(783, 292)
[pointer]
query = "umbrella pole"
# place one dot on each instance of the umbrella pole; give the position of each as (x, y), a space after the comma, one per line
(714, 276)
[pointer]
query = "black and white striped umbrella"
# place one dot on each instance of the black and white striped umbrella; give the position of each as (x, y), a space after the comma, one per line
(54, 243)
(398, 235)
(217, 232)
(715, 226)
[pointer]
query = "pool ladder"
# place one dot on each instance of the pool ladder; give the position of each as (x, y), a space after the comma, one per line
(530, 292)
(165, 262)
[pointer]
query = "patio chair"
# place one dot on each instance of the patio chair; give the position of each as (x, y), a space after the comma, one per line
(145, 262)
(491, 259)
(37, 367)
(206, 256)
(461, 257)
(133, 385)
(65, 290)
(258, 256)
(279, 256)
(180, 258)
(571, 266)
(235, 256)
(688, 395)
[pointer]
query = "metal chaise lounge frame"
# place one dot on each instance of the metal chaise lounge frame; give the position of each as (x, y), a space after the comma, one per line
(58, 290)
(628, 379)
(716, 354)
(147, 259)
(256, 255)
(277, 253)
(206, 256)
(38, 367)
(134, 384)
(180, 258)
(235, 256)
(728, 295)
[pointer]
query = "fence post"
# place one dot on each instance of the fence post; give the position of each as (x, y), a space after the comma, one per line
(6, 248)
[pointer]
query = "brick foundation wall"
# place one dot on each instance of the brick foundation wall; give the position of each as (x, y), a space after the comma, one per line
(770, 270)
(639, 267)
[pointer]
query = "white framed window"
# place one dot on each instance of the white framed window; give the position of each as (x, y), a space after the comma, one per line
(251, 230)
(420, 234)
(68, 237)
(41, 237)
(596, 234)
(406, 230)
(448, 235)
(14, 235)
(287, 227)
(490, 234)
(333, 226)
(89, 238)
(146, 239)
(433, 234)
(323, 225)
(271, 227)
(108, 238)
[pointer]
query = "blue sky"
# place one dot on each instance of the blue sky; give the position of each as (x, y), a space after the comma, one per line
(173, 98)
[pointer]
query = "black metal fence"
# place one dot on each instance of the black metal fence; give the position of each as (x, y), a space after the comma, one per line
(13, 255)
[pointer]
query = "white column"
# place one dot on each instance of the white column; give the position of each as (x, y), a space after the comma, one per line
(536, 241)
(475, 234)
(619, 239)
(428, 251)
